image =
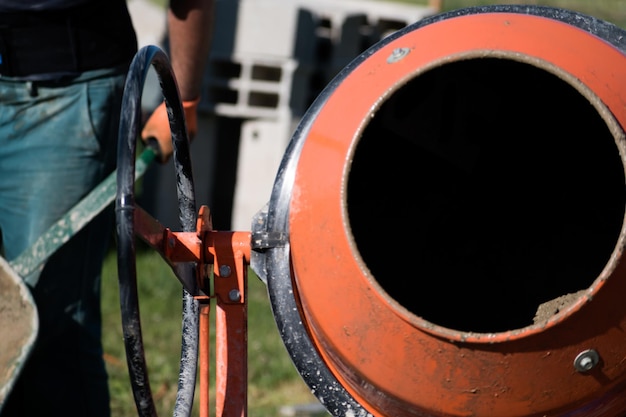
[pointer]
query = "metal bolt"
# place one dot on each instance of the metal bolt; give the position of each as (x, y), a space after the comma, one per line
(397, 54)
(225, 271)
(586, 360)
(234, 295)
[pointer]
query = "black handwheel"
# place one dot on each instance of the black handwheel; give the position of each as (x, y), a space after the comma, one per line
(129, 131)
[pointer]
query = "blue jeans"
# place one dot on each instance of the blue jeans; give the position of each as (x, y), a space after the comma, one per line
(57, 142)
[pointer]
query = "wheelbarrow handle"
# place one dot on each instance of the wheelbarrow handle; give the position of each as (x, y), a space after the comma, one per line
(75, 219)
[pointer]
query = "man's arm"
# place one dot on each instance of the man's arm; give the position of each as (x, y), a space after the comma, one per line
(190, 29)
(190, 25)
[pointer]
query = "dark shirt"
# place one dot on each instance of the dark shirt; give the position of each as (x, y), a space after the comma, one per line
(60, 38)
(37, 5)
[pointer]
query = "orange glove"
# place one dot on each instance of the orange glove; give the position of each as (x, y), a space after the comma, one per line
(158, 127)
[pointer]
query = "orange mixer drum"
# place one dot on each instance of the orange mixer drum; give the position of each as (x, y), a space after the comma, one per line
(448, 222)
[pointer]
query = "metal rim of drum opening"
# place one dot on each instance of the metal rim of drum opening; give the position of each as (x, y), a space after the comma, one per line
(453, 172)
(509, 195)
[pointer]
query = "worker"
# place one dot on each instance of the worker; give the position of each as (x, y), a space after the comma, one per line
(62, 71)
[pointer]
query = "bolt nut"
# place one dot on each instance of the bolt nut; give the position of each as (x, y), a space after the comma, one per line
(234, 295)
(397, 54)
(225, 270)
(586, 360)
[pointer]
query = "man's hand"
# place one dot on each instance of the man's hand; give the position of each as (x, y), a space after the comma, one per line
(158, 127)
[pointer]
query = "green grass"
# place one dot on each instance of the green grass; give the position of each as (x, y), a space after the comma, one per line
(273, 381)
(613, 11)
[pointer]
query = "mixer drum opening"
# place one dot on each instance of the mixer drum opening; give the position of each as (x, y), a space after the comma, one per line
(500, 188)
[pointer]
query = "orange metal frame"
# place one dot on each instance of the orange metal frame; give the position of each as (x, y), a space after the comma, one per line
(228, 253)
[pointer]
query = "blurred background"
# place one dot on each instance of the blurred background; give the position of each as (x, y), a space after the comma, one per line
(270, 59)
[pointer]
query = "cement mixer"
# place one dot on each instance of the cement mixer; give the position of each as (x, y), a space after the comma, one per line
(451, 212)
(444, 237)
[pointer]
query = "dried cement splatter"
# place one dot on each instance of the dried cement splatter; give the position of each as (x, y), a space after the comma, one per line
(548, 309)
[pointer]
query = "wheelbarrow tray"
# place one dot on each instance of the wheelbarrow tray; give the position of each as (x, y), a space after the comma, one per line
(19, 325)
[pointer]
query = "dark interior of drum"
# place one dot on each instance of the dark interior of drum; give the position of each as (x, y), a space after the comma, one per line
(483, 188)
